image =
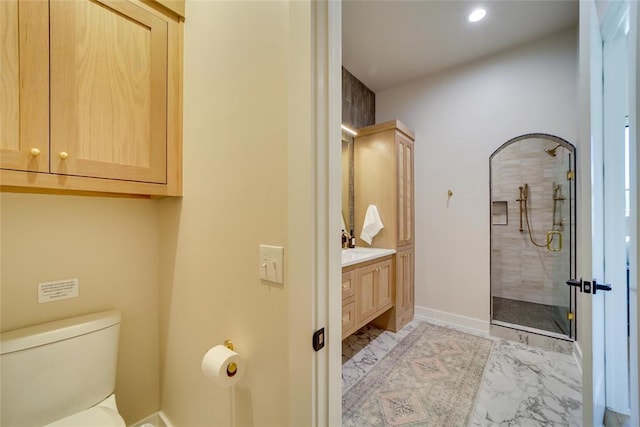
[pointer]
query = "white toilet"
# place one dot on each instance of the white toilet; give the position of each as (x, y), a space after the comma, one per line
(61, 373)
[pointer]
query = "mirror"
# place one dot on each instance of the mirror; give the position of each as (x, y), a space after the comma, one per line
(532, 192)
(347, 180)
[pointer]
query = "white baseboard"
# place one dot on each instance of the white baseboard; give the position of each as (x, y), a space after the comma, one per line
(471, 324)
(577, 354)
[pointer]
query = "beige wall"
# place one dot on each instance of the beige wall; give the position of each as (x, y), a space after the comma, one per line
(111, 246)
(460, 117)
(236, 145)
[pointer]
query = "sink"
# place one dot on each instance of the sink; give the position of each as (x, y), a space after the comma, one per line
(361, 254)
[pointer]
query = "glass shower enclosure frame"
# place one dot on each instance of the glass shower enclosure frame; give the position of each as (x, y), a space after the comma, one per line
(533, 235)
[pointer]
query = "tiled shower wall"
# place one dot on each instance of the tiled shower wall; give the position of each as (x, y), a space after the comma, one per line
(519, 269)
(358, 102)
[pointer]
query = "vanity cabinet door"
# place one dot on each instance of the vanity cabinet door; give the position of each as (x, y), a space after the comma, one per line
(24, 85)
(108, 65)
(405, 289)
(404, 158)
(366, 294)
(384, 285)
(374, 290)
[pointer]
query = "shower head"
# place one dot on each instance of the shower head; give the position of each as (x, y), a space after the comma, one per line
(552, 151)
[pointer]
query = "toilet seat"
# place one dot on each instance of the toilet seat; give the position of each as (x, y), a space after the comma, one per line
(104, 414)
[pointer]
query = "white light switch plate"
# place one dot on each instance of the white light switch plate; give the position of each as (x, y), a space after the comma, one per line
(272, 263)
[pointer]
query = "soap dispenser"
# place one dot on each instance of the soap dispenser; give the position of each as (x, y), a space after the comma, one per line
(352, 240)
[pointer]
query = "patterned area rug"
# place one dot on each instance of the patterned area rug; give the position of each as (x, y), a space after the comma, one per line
(431, 378)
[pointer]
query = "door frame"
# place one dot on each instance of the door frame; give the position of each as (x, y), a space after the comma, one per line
(322, 306)
(584, 344)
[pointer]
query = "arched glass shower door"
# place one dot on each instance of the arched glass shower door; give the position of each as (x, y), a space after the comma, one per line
(533, 235)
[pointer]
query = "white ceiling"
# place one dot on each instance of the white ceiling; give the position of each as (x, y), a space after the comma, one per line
(389, 42)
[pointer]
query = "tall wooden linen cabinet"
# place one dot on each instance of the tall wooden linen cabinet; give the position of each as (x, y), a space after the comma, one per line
(383, 176)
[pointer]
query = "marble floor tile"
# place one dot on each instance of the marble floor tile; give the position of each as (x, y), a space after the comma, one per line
(364, 348)
(522, 385)
(526, 386)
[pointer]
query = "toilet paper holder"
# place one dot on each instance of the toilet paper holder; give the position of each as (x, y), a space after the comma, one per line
(232, 369)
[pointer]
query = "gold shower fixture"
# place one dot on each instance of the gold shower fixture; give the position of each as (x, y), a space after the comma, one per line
(552, 151)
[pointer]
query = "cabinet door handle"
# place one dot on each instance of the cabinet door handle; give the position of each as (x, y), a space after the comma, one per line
(34, 152)
(345, 320)
(63, 155)
(344, 286)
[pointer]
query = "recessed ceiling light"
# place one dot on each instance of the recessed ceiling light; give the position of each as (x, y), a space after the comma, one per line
(477, 15)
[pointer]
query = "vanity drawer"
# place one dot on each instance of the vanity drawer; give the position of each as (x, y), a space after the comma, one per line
(348, 318)
(348, 279)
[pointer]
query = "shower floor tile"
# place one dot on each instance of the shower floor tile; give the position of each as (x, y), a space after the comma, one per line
(538, 316)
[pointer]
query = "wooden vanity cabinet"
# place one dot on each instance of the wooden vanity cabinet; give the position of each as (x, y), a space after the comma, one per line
(404, 293)
(93, 96)
(372, 285)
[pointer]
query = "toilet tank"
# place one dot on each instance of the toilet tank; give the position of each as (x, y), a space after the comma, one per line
(56, 369)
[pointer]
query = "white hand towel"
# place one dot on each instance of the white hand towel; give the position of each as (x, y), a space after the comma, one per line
(372, 224)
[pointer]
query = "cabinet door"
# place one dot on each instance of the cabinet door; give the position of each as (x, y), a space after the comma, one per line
(384, 285)
(404, 158)
(108, 90)
(404, 281)
(365, 292)
(24, 85)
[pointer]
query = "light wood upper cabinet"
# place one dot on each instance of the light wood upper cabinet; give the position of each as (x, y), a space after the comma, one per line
(113, 71)
(24, 85)
(383, 176)
(108, 90)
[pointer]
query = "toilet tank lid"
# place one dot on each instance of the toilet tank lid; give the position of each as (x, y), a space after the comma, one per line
(50, 332)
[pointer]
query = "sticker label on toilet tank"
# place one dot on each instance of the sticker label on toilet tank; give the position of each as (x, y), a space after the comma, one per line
(60, 289)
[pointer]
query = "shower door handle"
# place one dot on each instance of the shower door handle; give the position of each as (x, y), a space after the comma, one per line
(599, 287)
(576, 283)
(588, 287)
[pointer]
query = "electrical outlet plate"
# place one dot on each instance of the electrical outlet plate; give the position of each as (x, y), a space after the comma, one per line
(271, 263)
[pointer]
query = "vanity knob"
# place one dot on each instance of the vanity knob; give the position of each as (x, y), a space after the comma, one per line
(34, 152)
(344, 320)
(63, 155)
(344, 286)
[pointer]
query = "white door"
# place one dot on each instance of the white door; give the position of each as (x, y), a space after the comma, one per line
(614, 255)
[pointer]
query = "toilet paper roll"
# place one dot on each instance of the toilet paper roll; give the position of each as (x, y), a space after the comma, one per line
(222, 365)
